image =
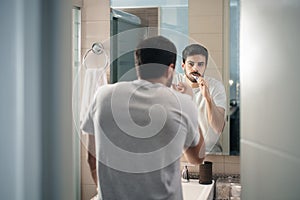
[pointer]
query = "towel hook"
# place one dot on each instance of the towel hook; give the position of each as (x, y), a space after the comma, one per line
(97, 48)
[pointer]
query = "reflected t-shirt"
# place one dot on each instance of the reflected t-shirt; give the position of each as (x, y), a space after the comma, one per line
(217, 92)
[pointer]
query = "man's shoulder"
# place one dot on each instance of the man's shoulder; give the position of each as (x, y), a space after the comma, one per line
(212, 79)
(112, 86)
(214, 82)
(108, 89)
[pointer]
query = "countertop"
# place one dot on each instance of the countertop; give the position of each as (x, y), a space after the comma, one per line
(194, 191)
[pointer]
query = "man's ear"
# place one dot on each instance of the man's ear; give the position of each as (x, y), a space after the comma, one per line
(182, 65)
(170, 70)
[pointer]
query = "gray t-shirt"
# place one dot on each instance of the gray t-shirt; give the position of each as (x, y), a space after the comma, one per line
(141, 129)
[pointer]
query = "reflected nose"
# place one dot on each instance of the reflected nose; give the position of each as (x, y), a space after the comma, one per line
(195, 67)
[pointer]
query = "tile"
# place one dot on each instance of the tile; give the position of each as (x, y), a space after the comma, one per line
(218, 168)
(91, 3)
(86, 177)
(95, 10)
(232, 168)
(205, 7)
(194, 168)
(87, 42)
(206, 24)
(215, 158)
(215, 59)
(215, 73)
(213, 42)
(83, 146)
(232, 159)
(93, 28)
(88, 191)
(83, 151)
(183, 163)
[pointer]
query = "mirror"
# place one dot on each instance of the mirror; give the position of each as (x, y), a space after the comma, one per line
(214, 24)
(234, 77)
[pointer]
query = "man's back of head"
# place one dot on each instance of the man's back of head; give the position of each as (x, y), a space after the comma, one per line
(153, 56)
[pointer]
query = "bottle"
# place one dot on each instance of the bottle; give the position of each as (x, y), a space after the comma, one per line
(185, 174)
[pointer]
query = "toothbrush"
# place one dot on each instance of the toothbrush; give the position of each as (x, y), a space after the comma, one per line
(195, 77)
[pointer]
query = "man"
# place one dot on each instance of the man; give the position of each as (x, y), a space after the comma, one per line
(209, 94)
(141, 128)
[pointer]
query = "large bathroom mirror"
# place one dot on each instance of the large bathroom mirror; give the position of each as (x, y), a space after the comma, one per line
(212, 23)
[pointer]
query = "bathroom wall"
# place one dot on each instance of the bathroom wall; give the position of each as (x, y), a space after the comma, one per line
(270, 112)
(206, 26)
(95, 25)
(222, 165)
(36, 140)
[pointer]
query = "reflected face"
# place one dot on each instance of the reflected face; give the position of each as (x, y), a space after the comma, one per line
(194, 65)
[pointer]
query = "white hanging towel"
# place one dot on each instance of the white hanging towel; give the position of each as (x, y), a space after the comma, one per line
(93, 79)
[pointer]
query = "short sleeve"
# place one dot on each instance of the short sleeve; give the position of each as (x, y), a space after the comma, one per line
(192, 139)
(219, 95)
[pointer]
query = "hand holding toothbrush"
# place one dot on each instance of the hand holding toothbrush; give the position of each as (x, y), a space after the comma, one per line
(183, 88)
(203, 85)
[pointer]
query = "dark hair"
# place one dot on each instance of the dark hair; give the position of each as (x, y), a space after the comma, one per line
(153, 56)
(194, 49)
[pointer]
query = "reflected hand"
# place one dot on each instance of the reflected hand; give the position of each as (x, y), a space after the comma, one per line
(183, 88)
(203, 85)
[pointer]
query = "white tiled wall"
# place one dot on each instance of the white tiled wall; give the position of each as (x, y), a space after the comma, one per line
(95, 28)
(221, 164)
(95, 23)
(206, 26)
(270, 147)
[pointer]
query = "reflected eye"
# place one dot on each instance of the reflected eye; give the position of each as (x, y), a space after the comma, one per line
(191, 64)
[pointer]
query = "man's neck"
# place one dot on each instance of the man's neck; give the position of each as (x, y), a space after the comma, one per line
(157, 80)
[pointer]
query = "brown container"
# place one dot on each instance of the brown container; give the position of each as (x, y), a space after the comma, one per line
(205, 173)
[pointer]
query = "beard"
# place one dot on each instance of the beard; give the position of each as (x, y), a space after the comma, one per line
(190, 77)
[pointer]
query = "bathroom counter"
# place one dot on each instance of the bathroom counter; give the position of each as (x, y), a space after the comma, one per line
(195, 191)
